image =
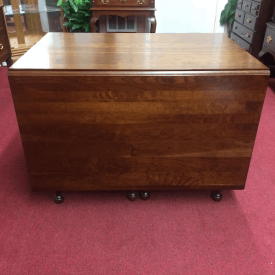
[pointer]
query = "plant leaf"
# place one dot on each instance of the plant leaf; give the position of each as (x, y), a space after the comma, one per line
(231, 20)
(75, 8)
(76, 26)
(59, 3)
(223, 18)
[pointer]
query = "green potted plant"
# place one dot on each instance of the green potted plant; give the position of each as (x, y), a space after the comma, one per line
(228, 15)
(77, 13)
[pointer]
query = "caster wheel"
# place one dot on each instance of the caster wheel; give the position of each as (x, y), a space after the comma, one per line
(58, 197)
(216, 195)
(132, 196)
(144, 195)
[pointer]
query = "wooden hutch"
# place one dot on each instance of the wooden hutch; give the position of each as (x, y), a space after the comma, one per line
(123, 8)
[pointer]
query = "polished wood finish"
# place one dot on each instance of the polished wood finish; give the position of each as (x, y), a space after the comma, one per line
(137, 111)
(121, 53)
(5, 48)
(123, 3)
(123, 8)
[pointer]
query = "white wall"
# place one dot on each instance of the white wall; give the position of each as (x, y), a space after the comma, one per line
(187, 16)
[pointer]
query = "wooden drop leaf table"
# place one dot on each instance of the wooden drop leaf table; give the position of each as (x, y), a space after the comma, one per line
(137, 112)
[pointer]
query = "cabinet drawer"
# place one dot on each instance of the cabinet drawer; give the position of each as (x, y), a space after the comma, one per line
(240, 41)
(239, 16)
(123, 3)
(250, 21)
(239, 5)
(246, 6)
(269, 39)
(255, 8)
(3, 45)
(243, 32)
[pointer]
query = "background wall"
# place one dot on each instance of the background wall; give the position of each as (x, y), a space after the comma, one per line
(185, 16)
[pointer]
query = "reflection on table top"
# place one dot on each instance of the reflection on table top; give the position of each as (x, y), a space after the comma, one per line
(29, 8)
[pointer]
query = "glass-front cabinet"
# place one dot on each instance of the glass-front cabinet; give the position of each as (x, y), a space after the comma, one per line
(28, 21)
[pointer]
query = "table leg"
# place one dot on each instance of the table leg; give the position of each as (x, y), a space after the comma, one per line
(153, 21)
(58, 197)
(144, 195)
(92, 23)
(216, 195)
(132, 195)
(9, 62)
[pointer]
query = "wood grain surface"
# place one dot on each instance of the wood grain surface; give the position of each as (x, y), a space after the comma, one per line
(138, 130)
(137, 52)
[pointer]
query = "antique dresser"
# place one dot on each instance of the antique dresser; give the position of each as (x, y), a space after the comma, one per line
(267, 54)
(5, 49)
(250, 22)
(137, 112)
(123, 8)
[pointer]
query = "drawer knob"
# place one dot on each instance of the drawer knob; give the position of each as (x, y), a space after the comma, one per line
(249, 20)
(253, 8)
(248, 34)
(104, 2)
(1, 47)
(239, 15)
(123, 1)
(269, 39)
(235, 27)
(246, 6)
(141, 2)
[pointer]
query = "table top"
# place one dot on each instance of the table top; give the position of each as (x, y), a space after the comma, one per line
(137, 52)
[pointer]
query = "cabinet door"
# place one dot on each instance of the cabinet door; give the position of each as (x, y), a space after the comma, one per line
(2, 21)
(4, 46)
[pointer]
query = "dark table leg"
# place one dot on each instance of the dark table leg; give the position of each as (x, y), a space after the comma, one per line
(92, 23)
(132, 195)
(9, 62)
(58, 197)
(144, 195)
(153, 24)
(216, 195)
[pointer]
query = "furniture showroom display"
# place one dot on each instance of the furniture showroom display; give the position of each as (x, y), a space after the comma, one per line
(5, 48)
(137, 112)
(123, 8)
(250, 22)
